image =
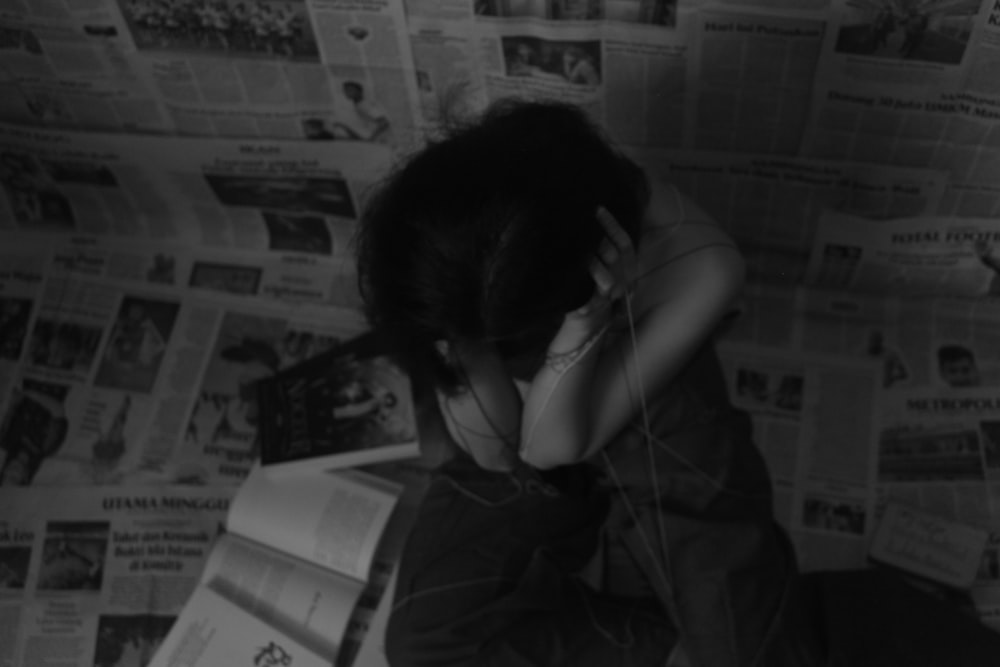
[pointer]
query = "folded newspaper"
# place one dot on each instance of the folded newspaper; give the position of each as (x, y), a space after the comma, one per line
(929, 546)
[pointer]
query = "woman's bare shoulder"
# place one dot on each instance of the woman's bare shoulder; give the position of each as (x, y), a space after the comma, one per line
(682, 247)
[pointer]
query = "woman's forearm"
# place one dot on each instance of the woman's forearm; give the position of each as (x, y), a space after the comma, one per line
(556, 424)
(569, 416)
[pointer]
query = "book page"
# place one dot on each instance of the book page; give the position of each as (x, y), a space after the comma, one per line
(310, 604)
(213, 632)
(329, 519)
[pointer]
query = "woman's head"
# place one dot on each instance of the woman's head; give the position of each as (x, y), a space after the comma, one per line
(487, 232)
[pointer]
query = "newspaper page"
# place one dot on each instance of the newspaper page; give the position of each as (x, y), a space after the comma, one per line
(821, 462)
(67, 65)
(251, 195)
(238, 274)
(892, 88)
(307, 69)
(981, 73)
(750, 75)
(939, 450)
(289, 69)
(907, 256)
(924, 47)
(771, 205)
(623, 62)
(115, 383)
(872, 123)
(939, 342)
(92, 576)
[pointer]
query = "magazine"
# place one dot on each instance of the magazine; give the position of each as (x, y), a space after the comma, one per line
(282, 582)
(351, 405)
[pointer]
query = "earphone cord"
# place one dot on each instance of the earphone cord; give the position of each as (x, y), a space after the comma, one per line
(661, 567)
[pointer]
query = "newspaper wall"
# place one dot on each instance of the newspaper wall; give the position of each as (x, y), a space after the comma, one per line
(750, 75)
(944, 347)
(294, 69)
(250, 195)
(663, 74)
(97, 576)
(915, 90)
(180, 179)
(772, 205)
(852, 410)
(624, 62)
(109, 382)
(940, 450)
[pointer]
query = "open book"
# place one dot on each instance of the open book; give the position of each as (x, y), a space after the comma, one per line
(349, 406)
(282, 582)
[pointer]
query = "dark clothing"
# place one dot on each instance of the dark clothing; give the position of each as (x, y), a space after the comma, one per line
(683, 528)
(487, 578)
(695, 572)
(874, 618)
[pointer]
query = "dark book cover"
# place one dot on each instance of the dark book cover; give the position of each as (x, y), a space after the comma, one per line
(350, 406)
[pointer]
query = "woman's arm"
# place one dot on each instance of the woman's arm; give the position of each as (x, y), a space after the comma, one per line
(681, 294)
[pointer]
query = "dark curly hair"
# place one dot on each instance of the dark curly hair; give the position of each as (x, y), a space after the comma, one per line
(486, 233)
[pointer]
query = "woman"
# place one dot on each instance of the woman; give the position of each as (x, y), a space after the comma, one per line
(607, 506)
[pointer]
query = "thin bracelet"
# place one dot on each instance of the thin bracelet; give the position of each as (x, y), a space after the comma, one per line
(561, 362)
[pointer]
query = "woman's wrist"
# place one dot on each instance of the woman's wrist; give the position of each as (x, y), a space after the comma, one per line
(562, 356)
(577, 329)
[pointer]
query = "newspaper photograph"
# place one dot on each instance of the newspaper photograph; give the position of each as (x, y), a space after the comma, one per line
(909, 256)
(96, 577)
(979, 78)
(922, 46)
(907, 84)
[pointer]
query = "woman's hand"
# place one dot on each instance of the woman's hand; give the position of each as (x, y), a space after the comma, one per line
(612, 268)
